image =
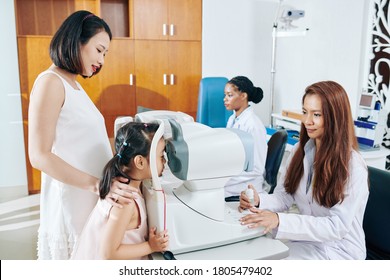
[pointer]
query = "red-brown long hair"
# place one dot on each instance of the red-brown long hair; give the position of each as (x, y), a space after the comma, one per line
(332, 158)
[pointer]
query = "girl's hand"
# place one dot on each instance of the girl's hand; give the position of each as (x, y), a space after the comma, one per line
(267, 219)
(244, 200)
(158, 242)
(120, 192)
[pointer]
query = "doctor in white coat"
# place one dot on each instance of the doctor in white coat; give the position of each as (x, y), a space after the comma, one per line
(239, 91)
(326, 178)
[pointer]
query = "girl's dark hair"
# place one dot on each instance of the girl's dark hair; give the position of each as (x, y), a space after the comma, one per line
(74, 32)
(331, 163)
(132, 139)
(243, 84)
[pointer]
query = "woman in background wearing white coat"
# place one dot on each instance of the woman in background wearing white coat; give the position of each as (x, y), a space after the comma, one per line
(326, 178)
(239, 91)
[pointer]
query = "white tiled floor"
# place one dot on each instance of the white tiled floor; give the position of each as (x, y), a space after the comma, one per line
(19, 221)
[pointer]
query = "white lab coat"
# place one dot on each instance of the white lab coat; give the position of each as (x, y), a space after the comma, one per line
(319, 232)
(248, 121)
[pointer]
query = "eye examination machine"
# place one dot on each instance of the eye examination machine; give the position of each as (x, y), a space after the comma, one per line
(190, 202)
(370, 124)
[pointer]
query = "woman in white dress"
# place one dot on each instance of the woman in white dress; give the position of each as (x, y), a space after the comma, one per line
(68, 141)
(239, 91)
(326, 178)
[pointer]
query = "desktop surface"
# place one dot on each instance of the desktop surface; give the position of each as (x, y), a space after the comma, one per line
(260, 248)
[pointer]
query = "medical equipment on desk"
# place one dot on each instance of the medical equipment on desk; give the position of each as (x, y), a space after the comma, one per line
(371, 122)
(192, 208)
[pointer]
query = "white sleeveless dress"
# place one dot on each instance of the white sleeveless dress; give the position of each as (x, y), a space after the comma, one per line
(81, 140)
(88, 245)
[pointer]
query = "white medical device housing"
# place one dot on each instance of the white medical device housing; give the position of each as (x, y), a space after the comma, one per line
(202, 159)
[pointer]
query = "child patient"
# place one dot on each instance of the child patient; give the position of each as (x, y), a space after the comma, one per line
(121, 232)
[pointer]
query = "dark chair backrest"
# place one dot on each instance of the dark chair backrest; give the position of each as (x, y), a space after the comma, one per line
(376, 222)
(276, 147)
(211, 110)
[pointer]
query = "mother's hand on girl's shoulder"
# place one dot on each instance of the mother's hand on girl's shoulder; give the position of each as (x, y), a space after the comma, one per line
(120, 192)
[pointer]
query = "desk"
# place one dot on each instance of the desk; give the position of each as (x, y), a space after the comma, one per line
(261, 248)
(286, 122)
(376, 158)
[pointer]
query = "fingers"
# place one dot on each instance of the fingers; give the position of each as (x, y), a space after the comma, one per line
(243, 196)
(113, 199)
(253, 220)
(152, 231)
(122, 180)
(261, 218)
(160, 240)
(121, 193)
(256, 195)
(163, 240)
(126, 194)
(244, 202)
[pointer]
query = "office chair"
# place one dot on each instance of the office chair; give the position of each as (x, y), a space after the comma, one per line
(211, 110)
(276, 147)
(376, 223)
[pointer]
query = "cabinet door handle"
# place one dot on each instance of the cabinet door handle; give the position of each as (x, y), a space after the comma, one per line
(165, 79)
(131, 79)
(171, 30)
(165, 26)
(172, 77)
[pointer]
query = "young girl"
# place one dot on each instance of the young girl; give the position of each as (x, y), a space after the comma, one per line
(326, 178)
(121, 233)
(239, 91)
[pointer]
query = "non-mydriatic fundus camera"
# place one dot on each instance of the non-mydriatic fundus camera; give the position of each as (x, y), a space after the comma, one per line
(293, 14)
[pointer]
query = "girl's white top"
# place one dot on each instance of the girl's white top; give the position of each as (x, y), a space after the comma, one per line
(89, 243)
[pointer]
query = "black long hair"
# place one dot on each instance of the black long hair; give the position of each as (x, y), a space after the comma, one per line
(243, 84)
(75, 32)
(132, 139)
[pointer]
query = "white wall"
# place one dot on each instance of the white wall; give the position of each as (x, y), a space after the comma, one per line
(12, 153)
(237, 40)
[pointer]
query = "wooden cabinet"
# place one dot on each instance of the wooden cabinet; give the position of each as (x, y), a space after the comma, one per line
(33, 59)
(168, 19)
(142, 68)
(117, 95)
(168, 75)
(44, 17)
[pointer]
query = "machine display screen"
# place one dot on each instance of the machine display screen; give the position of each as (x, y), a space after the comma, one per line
(366, 100)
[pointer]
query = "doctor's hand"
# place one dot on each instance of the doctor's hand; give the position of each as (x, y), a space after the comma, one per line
(245, 202)
(120, 192)
(267, 219)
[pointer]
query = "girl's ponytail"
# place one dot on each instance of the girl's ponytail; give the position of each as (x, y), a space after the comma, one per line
(110, 171)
